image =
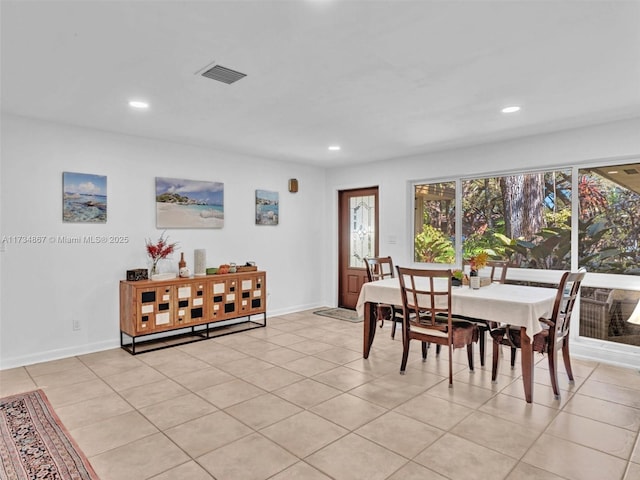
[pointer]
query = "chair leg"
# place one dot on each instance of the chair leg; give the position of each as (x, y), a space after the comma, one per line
(393, 328)
(424, 351)
(567, 359)
(405, 355)
(438, 349)
(494, 365)
(481, 341)
(470, 356)
(450, 366)
(379, 316)
(513, 357)
(553, 372)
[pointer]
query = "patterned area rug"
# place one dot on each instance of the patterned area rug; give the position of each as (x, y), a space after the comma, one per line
(340, 314)
(35, 445)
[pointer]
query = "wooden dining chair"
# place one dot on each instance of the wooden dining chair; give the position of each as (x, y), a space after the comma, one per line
(426, 301)
(496, 270)
(379, 268)
(498, 273)
(555, 333)
(499, 269)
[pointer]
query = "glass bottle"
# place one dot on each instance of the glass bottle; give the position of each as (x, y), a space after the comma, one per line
(474, 280)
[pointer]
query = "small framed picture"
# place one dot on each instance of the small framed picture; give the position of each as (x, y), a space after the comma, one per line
(267, 205)
(84, 198)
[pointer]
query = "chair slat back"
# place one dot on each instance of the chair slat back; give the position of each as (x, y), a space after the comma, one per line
(568, 290)
(426, 295)
(499, 270)
(379, 268)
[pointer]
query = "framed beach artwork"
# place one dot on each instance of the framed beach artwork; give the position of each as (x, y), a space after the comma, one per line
(84, 198)
(189, 203)
(267, 205)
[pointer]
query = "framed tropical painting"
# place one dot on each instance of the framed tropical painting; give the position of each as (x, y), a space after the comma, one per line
(189, 203)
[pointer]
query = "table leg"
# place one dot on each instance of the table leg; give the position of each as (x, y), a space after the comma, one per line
(526, 350)
(369, 328)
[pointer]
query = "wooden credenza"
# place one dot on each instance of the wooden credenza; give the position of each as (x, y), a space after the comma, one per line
(191, 309)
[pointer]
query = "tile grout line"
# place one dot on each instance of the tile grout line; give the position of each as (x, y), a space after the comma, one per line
(249, 353)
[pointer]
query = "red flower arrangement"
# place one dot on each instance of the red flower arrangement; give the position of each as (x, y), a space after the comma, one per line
(159, 251)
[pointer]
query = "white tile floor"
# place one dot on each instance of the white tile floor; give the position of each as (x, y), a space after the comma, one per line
(296, 400)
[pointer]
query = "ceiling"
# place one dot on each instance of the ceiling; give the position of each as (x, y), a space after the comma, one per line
(382, 79)
(627, 175)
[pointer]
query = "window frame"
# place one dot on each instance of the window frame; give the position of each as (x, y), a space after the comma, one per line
(457, 229)
(542, 275)
(582, 346)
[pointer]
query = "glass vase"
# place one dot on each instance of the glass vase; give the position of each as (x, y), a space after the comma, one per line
(153, 268)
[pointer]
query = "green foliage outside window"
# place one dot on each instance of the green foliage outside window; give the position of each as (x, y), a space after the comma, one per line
(526, 219)
(431, 246)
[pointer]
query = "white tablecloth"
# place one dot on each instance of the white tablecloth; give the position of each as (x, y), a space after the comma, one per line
(513, 304)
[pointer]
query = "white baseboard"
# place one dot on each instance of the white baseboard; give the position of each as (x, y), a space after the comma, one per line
(606, 352)
(49, 355)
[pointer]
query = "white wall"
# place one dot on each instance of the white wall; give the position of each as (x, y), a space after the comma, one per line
(601, 144)
(45, 287)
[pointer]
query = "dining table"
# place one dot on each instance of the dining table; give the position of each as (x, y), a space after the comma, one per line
(516, 305)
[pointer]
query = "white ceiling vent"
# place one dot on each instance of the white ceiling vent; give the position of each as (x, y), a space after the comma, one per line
(223, 74)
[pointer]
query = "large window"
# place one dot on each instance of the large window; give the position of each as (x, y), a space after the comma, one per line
(435, 222)
(609, 243)
(609, 222)
(525, 219)
(610, 314)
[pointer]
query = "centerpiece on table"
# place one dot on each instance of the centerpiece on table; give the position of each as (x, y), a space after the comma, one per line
(159, 251)
(477, 262)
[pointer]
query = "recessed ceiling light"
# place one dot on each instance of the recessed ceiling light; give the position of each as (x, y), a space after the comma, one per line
(334, 148)
(140, 105)
(511, 109)
(613, 172)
